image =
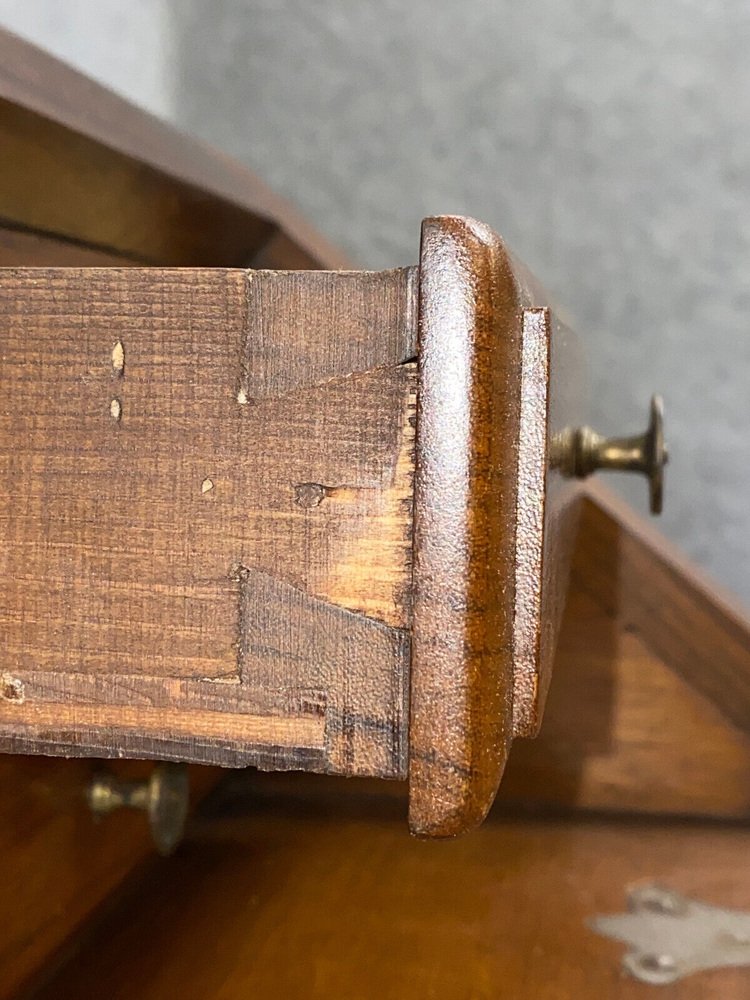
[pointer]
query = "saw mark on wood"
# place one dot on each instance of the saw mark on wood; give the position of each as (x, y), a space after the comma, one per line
(318, 602)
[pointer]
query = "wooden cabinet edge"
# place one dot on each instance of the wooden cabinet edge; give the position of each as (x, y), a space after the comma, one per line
(493, 526)
(464, 526)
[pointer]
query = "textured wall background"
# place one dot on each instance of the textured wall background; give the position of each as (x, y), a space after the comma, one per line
(607, 140)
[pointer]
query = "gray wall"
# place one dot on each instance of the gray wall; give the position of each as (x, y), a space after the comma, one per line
(607, 140)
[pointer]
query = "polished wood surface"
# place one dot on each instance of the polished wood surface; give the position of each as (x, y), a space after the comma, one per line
(300, 891)
(686, 619)
(19, 248)
(461, 723)
(631, 725)
(82, 164)
(491, 541)
(111, 202)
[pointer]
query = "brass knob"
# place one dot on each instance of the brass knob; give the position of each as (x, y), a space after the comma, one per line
(582, 451)
(164, 798)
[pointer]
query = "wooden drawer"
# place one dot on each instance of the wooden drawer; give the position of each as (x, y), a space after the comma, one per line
(319, 519)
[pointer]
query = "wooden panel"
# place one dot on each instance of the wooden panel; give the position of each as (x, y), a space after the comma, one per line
(306, 895)
(206, 534)
(635, 720)
(62, 183)
(28, 249)
(685, 620)
(492, 535)
(81, 162)
(624, 733)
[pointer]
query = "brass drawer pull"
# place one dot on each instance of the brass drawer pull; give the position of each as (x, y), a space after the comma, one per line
(163, 797)
(581, 452)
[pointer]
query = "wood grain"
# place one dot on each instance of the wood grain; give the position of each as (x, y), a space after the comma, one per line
(206, 534)
(624, 733)
(59, 868)
(492, 538)
(635, 721)
(80, 162)
(20, 248)
(327, 876)
(62, 183)
(461, 722)
(211, 516)
(685, 619)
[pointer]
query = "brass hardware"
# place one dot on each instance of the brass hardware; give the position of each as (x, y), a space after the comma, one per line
(580, 452)
(164, 797)
(670, 936)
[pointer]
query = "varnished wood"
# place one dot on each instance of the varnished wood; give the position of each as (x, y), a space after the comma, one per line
(81, 163)
(635, 720)
(19, 248)
(296, 892)
(623, 733)
(491, 537)
(111, 202)
(685, 619)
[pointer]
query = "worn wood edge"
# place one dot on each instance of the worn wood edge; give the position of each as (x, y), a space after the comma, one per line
(532, 482)
(464, 527)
